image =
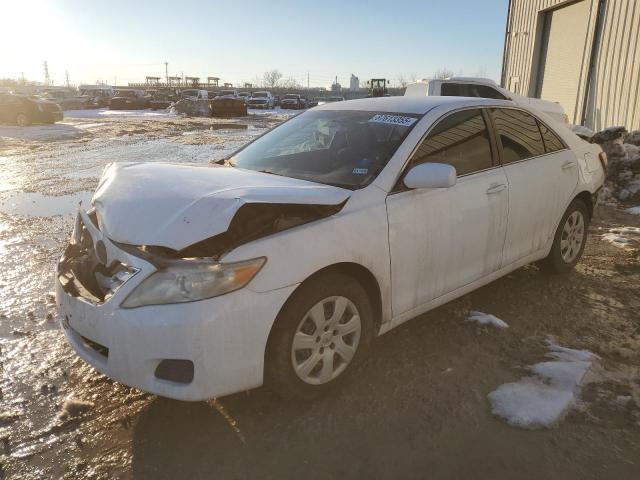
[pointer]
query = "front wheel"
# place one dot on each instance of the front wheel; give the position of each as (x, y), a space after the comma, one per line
(570, 239)
(319, 337)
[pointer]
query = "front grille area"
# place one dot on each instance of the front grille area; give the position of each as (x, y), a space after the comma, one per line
(95, 346)
(82, 271)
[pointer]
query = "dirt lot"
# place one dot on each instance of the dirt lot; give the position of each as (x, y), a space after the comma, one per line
(417, 409)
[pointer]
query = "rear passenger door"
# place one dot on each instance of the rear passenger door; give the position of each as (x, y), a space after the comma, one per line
(444, 238)
(542, 174)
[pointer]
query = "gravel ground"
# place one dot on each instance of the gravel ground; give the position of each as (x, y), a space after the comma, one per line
(417, 409)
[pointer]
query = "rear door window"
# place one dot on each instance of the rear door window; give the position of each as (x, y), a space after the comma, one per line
(518, 133)
(460, 140)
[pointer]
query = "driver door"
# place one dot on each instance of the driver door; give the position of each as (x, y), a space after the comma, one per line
(445, 238)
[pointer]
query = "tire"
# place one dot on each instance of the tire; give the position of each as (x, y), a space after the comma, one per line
(22, 120)
(569, 240)
(305, 314)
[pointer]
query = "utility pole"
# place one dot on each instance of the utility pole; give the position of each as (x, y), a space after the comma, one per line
(66, 77)
(22, 79)
(307, 80)
(166, 71)
(47, 80)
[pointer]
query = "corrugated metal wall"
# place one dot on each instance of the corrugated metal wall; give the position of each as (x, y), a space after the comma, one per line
(614, 92)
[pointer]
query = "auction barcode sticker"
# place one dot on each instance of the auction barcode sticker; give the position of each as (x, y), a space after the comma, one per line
(393, 119)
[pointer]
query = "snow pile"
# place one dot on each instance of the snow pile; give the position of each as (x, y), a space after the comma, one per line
(486, 319)
(623, 152)
(192, 107)
(544, 398)
(623, 237)
(634, 210)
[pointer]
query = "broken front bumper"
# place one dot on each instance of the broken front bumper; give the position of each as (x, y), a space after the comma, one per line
(187, 351)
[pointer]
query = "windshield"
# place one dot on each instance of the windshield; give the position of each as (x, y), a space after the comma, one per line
(227, 92)
(291, 95)
(260, 95)
(342, 148)
(190, 93)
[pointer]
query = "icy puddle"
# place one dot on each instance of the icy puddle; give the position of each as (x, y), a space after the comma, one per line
(545, 398)
(38, 205)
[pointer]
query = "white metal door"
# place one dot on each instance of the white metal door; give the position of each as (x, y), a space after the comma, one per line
(443, 239)
(564, 42)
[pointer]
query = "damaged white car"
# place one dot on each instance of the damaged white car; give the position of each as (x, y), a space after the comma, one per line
(280, 266)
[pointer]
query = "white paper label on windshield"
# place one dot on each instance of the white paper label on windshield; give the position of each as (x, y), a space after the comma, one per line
(393, 120)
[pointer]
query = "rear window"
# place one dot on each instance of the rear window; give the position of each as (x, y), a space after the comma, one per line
(518, 133)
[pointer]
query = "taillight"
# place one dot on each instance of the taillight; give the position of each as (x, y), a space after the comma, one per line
(604, 161)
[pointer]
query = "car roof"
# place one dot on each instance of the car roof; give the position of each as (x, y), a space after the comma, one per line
(414, 105)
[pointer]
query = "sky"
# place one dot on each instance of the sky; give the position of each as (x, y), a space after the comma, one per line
(118, 42)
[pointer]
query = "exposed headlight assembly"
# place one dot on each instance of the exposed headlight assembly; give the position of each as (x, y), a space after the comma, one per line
(192, 279)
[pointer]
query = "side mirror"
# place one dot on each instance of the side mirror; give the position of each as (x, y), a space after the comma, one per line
(431, 175)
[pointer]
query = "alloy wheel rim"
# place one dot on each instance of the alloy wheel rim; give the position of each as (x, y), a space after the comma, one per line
(326, 340)
(572, 236)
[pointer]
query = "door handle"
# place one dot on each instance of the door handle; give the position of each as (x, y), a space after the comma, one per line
(498, 187)
(568, 164)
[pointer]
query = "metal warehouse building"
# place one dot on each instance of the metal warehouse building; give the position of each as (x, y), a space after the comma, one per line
(583, 54)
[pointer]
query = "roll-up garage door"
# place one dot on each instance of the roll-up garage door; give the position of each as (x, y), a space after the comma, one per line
(563, 47)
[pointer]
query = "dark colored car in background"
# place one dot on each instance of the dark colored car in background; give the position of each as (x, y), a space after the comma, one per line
(23, 110)
(130, 100)
(293, 100)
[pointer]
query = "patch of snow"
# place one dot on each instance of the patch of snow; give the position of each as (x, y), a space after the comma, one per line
(545, 398)
(634, 210)
(486, 319)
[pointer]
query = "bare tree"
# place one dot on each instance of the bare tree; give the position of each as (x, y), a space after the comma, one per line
(402, 81)
(290, 83)
(413, 77)
(271, 79)
(443, 73)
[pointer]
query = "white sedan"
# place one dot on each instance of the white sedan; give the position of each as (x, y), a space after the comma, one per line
(280, 266)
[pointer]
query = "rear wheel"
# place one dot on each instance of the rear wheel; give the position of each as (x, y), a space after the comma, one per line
(570, 239)
(23, 120)
(320, 336)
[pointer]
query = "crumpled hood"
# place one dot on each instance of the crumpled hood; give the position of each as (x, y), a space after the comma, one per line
(176, 206)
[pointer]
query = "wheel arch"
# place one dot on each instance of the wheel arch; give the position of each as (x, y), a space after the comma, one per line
(357, 272)
(587, 198)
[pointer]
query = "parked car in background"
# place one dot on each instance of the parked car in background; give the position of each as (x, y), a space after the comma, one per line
(261, 100)
(22, 110)
(67, 99)
(195, 94)
(161, 99)
(226, 94)
(97, 95)
(482, 88)
(218, 291)
(130, 99)
(244, 96)
(335, 99)
(293, 100)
